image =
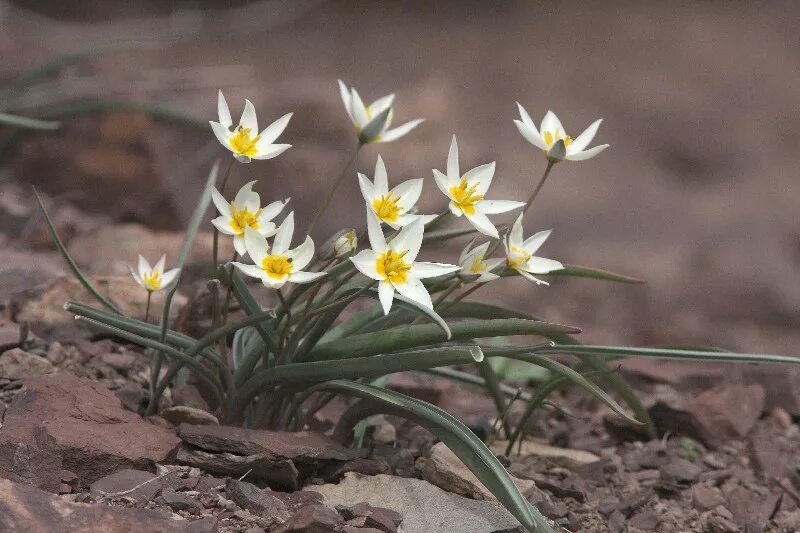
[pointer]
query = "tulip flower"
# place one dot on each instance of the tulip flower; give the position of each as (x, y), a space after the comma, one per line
(551, 131)
(245, 141)
(475, 266)
(391, 207)
(280, 265)
(393, 264)
(467, 193)
(519, 253)
(372, 122)
(153, 278)
(245, 211)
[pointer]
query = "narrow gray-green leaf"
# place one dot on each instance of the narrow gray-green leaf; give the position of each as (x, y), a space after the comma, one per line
(16, 121)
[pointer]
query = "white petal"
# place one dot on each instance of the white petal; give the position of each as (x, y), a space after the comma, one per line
(376, 239)
(136, 276)
(455, 209)
(248, 119)
(482, 176)
(482, 223)
(413, 289)
(169, 276)
(273, 283)
(409, 192)
(267, 229)
(251, 270)
(272, 210)
(379, 106)
(256, 245)
(272, 150)
(283, 237)
(238, 245)
(274, 130)
(409, 239)
(583, 140)
(364, 261)
(386, 295)
(467, 253)
(159, 266)
(540, 265)
(143, 266)
(491, 264)
(223, 225)
(221, 133)
(224, 112)
(305, 277)
(399, 131)
(515, 235)
(531, 135)
(551, 123)
(531, 277)
(220, 203)
(452, 160)
(381, 183)
(587, 154)
(526, 118)
(367, 189)
(303, 254)
(443, 182)
(486, 277)
(345, 95)
(248, 198)
(494, 207)
(357, 109)
(431, 270)
(535, 241)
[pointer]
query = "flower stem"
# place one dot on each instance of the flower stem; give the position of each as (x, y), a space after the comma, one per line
(333, 189)
(538, 188)
(226, 306)
(215, 246)
(288, 315)
(147, 307)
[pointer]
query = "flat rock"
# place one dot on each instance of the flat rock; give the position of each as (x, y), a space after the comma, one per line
(9, 335)
(257, 501)
(303, 446)
(281, 474)
(82, 426)
(445, 470)
(42, 306)
(137, 484)
(366, 516)
(180, 501)
(566, 456)
(25, 508)
(314, 518)
(181, 414)
(19, 364)
(424, 507)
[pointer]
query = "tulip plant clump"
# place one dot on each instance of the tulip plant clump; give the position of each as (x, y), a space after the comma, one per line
(280, 365)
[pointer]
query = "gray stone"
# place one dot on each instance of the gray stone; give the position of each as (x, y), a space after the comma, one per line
(190, 415)
(19, 364)
(137, 484)
(257, 501)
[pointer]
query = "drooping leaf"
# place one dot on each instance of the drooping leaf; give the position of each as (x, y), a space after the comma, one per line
(16, 121)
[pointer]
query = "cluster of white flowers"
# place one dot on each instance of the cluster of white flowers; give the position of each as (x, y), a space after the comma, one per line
(391, 263)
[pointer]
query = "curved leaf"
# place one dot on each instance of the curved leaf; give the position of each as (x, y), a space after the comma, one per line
(594, 273)
(661, 353)
(456, 436)
(16, 121)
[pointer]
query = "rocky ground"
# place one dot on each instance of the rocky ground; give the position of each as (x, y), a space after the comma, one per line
(698, 195)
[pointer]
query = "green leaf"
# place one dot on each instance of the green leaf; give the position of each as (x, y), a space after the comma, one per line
(456, 436)
(413, 336)
(594, 273)
(615, 352)
(27, 123)
(242, 293)
(70, 263)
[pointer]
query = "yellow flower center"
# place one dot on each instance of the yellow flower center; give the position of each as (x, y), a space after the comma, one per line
(386, 207)
(243, 143)
(465, 197)
(517, 257)
(551, 138)
(478, 265)
(277, 266)
(152, 280)
(242, 218)
(392, 266)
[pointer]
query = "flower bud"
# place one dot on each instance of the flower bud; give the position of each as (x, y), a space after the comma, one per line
(346, 243)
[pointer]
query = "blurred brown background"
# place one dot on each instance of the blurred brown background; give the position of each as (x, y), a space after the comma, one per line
(699, 192)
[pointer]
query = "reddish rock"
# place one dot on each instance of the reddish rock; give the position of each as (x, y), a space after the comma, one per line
(729, 412)
(25, 508)
(82, 426)
(313, 519)
(137, 484)
(259, 502)
(366, 516)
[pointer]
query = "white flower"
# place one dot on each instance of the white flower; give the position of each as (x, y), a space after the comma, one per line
(467, 193)
(345, 243)
(244, 141)
(393, 265)
(519, 253)
(245, 211)
(362, 115)
(552, 131)
(275, 268)
(474, 263)
(392, 206)
(153, 278)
